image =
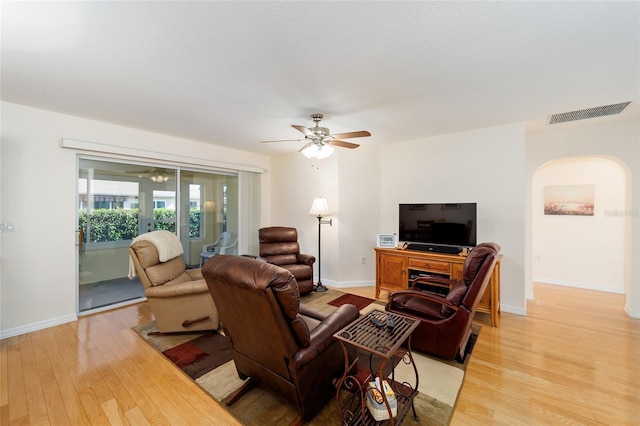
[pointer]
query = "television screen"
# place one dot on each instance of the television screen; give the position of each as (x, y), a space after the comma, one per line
(450, 224)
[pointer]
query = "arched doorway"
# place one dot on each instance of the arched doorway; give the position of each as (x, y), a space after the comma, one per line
(581, 248)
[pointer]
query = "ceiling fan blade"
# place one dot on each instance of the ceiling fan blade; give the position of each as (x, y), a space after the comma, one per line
(358, 134)
(343, 144)
(283, 140)
(302, 129)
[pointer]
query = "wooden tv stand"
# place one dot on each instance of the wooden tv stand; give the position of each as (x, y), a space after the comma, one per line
(394, 268)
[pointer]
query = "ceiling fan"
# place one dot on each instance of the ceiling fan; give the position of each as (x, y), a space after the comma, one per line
(321, 141)
(158, 175)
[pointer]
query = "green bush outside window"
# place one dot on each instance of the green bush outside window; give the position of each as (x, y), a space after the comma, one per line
(121, 224)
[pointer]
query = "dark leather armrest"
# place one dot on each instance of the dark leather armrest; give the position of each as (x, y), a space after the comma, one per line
(306, 259)
(313, 313)
(322, 335)
(423, 295)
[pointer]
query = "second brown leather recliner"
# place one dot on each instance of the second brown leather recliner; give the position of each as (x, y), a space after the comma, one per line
(445, 321)
(279, 245)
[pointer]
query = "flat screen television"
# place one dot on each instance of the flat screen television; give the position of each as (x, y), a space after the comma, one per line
(452, 224)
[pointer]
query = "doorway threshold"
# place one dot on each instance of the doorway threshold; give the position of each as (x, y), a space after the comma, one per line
(112, 306)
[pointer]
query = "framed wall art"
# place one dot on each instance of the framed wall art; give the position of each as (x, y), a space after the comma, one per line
(574, 200)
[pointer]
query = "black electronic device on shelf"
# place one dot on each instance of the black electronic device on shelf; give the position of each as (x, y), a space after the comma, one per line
(436, 248)
(438, 227)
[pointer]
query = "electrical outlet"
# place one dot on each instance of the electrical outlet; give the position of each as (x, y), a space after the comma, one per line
(363, 259)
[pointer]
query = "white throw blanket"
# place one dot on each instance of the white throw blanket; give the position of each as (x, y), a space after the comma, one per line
(167, 244)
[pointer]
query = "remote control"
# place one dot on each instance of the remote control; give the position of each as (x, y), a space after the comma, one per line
(376, 322)
(390, 323)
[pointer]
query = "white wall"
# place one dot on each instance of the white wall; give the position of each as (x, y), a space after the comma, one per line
(349, 181)
(359, 214)
(38, 271)
(485, 166)
(581, 251)
(296, 181)
(617, 139)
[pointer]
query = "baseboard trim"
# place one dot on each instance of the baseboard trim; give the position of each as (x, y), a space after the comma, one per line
(347, 284)
(17, 331)
(631, 312)
(585, 286)
(513, 310)
(344, 284)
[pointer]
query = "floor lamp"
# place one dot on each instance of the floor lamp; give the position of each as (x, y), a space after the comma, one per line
(319, 208)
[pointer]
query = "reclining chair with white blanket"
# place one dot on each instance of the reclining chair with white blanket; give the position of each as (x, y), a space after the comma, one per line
(180, 299)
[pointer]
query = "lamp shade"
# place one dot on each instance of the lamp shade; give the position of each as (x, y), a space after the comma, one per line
(319, 207)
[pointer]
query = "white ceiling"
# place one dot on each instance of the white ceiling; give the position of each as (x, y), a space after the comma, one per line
(235, 73)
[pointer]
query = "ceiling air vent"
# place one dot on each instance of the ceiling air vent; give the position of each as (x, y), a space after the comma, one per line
(588, 113)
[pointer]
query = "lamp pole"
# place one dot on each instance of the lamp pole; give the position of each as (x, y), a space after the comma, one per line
(318, 209)
(319, 287)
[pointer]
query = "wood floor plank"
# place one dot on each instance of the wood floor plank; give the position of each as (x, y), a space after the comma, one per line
(72, 351)
(33, 385)
(55, 344)
(128, 375)
(63, 404)
(92, 407)
(128, 372)
(4, 384)
(136, 417)
(114, 413)
(16, 390)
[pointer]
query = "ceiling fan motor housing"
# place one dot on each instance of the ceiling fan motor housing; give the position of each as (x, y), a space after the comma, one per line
(320, 131)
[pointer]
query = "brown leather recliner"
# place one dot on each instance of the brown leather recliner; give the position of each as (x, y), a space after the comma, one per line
(445, 321)
(179, 297)
(277, 342)
(279, 245)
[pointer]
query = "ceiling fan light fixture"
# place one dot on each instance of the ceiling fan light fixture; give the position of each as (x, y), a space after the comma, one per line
(324, 151)
(316, 150)
(159, 178)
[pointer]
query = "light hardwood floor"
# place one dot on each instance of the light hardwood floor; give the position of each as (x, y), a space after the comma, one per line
(575, 359)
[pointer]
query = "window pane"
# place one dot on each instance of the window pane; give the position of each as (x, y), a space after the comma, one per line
(195, 201)
(105, 207)
(164, 210)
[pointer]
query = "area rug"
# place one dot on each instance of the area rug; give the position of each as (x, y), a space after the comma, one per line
(206, 358)
(358, 301)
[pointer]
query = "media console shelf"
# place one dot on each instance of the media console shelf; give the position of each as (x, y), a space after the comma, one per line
(394, 268)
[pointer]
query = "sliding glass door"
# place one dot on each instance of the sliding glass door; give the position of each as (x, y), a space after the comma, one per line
(118, 201)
